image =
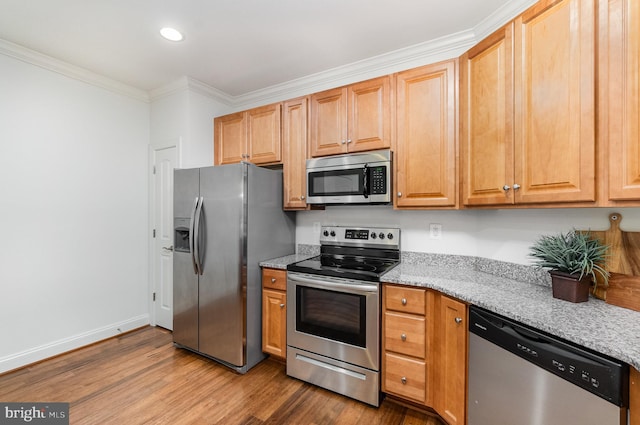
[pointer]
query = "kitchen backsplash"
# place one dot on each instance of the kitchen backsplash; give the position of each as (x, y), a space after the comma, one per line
(500, 235)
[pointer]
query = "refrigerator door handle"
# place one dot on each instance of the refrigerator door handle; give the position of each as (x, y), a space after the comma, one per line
(192, 235)
(196, 230)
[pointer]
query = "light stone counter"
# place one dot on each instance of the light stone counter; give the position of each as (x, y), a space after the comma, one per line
(594, 324)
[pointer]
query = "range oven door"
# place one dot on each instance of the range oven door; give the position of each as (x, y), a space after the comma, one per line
(334, 317)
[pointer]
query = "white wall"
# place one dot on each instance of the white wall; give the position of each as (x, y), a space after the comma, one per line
(73, 208)
(186, 115)
(503, 235)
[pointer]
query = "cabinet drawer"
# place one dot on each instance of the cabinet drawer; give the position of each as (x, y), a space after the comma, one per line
(405, 377)
(405, 334)
(274, 279)
(407, 300)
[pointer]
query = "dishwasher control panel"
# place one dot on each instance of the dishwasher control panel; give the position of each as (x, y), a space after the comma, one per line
(599, 374)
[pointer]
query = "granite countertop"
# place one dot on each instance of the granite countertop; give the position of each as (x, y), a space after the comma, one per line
(519, 292)
(303, 252)
(282, 262)
(607, 329)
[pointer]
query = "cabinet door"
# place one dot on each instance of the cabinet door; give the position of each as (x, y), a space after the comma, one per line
(263, 132)
(369, 119)
(274, 319)
(329, 122)
(426, 137)
(623, 101)
(486, 120)
(294, 146)
(230, 138)
(451, 339)
(554, 108)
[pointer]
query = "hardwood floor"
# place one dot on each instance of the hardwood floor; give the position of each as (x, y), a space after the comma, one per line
(141, 378)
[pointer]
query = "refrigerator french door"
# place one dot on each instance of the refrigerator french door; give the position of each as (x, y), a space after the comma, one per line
(227, 219)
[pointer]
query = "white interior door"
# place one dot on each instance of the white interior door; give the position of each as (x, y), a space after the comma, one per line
(165, 161)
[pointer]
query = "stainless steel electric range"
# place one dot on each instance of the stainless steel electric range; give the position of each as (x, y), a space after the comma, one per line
(333, 319)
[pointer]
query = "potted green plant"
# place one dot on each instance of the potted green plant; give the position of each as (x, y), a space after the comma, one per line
(576, 261)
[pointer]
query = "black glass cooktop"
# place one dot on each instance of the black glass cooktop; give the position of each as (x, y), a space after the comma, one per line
(346, 266)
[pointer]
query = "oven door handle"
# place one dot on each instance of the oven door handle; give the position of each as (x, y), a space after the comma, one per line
(355, 288)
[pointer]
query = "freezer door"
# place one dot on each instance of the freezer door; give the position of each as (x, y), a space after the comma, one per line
(185, 280)
(223, 226)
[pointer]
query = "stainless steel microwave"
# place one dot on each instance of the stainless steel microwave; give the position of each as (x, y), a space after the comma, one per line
(357, 178)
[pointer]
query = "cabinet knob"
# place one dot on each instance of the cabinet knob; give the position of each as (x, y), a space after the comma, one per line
(281, 305)
(403, 337)
(516, 186)
(506, 187)
(348, 141)
(273, 280)
(403, 380)
(399, 194)
(302, 197)
(458, 320)
(343, 142)
(404, 301)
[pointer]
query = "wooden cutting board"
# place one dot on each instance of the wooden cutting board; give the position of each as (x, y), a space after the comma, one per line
(623, 263)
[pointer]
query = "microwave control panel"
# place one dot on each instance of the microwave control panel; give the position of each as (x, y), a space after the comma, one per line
(378, 180)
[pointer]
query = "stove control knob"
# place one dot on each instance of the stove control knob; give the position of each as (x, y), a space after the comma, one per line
(373, 235)
(333, 233)
(381, 235)
(389, 235)
(326, 233)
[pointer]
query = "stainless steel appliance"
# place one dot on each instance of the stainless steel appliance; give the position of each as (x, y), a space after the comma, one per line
(357, 178)
(227, 219)
(333, 317)
(519, 375)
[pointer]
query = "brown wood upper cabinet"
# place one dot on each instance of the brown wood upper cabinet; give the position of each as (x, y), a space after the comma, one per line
(351, 119)
(295, 132)
(528, 118)
(619, 76)
(425, 145)
(252, 136)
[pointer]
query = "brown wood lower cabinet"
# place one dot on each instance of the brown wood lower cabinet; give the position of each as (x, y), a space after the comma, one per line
(424, 358)
(451, 336)
(274, 312)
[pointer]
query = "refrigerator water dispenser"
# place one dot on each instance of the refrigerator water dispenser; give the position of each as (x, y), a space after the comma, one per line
(181, 234)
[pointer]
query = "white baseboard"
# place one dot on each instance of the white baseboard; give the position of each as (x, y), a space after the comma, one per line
(15, 361)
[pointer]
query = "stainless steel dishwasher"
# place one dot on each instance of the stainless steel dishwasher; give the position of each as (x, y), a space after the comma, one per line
(522, 376)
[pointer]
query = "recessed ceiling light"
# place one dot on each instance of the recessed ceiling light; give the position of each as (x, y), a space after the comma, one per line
(171, 34)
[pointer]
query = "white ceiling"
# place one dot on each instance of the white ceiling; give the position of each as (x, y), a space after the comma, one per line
(235, 46)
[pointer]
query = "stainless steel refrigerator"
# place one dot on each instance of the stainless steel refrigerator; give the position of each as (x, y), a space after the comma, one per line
(227, 219)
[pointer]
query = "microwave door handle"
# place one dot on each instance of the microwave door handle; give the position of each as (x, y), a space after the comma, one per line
(365, 186)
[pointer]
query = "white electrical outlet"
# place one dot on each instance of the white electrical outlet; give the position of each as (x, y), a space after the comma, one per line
(435, 231)
(316, 228)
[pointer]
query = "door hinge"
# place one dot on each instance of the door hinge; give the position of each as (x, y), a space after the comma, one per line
(154, 169)
(154, 296)
(154, 233)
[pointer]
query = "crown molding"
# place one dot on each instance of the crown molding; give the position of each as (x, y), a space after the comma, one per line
(187, 83)
(420, 54)
(500, 17)
(49, 63)
(443, 48)
(439, 49)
